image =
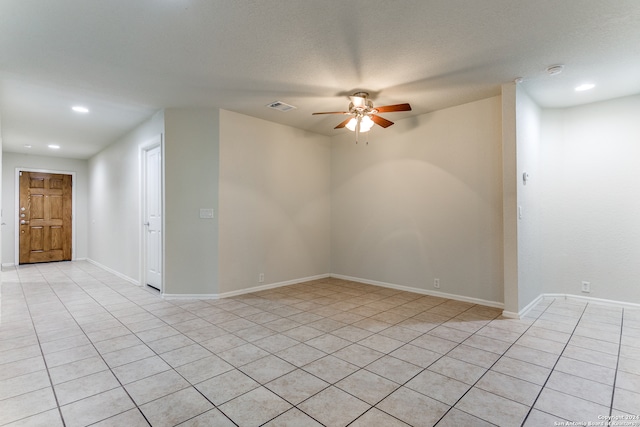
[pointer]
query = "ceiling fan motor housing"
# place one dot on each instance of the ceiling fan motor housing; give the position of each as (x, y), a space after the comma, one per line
(360, 104)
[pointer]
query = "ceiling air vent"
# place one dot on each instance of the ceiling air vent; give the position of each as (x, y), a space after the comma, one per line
(280, 106)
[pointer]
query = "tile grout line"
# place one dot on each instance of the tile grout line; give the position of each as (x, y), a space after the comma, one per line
(615, 377)
(325, 355)
(486, 369)
(389, 354)
(383, 354)
(173, 368)
(423, 369)
(556, 363)
(44, 360)
(392, 325)
(293, 406)
(134, 297)
(198, 343)
(238, 367)
(97, 351)
(329, 354)
(360, 368)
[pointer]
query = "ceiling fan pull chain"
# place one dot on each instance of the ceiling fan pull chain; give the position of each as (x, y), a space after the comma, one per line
(366, 137)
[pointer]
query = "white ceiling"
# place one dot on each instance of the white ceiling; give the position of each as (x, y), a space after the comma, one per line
(126, 59)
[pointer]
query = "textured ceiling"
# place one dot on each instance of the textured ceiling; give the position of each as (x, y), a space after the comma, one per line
(126, 59)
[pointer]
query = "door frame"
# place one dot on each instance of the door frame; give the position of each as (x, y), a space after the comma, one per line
(16, 225)
(155, 142)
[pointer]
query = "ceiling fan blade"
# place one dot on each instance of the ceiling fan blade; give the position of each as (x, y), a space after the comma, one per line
(331, 112)
(394, 108)
(343, 124)
(381, 121)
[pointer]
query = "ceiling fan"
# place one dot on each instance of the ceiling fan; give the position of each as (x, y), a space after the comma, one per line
(364, 114)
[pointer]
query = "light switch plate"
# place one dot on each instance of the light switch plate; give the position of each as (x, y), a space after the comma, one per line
(206, 213)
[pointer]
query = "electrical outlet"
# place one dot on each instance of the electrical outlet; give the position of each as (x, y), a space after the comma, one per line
(436, 283)
(586, 287)
(261, 278)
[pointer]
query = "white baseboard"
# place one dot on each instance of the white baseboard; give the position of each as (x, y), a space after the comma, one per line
(189, 296)
(245, 290)
(520, 314)
(273, 285)
(510, 314)
(114, 272)
(495, 304)
(12, 265)
(590, 300)
(422, 291)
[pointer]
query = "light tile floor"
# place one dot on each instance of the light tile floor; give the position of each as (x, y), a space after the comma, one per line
(81, 345)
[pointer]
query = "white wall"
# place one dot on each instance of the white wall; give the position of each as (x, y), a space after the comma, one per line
(1, 200)
(423, 200)
(591, 195)
(529, 199)
(114, 200)
(191, 184)
(11, 161)
(274, 202)
(510, 198)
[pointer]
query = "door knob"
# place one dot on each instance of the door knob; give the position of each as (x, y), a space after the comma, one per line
(23, 222)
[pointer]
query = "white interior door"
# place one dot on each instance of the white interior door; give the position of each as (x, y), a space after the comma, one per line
(153, 217)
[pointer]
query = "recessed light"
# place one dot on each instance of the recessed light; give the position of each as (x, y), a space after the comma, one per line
(27, 146)
(53, 146)
(584, 87)
(80, 109)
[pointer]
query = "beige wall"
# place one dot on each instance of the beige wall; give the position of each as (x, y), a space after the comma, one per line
(1, 200)
(521, 202)
(114, 201)
(274, 202)
(510, 198)
(191, 184)
(423, 200)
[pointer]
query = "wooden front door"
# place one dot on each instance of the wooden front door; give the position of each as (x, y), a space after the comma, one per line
(44, 215)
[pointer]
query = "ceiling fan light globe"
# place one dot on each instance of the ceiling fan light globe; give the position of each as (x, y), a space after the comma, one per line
(366, 124)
